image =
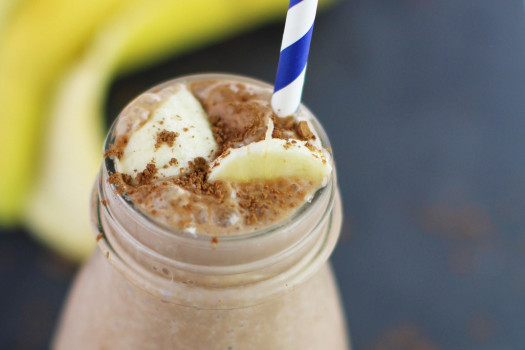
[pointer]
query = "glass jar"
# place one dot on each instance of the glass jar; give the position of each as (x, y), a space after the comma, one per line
(149, 286)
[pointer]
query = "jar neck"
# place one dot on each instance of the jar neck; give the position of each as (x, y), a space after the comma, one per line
(158, 259)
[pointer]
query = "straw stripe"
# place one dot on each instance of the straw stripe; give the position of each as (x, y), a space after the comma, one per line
(286, 101)
(299, 21)
(293, 3)
(293, 61)
(294, 55)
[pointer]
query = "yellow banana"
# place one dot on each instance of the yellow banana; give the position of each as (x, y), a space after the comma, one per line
(185, 24)
(57, 211)
(6, 10)
(39, 40)
(7, 7)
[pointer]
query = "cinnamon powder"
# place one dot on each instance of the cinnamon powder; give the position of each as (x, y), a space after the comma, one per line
(166, 137)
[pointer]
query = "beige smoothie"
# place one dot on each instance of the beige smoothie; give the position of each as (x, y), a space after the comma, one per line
(214, 220)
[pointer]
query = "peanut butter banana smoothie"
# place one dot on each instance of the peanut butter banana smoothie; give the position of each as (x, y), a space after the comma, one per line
(215, 219)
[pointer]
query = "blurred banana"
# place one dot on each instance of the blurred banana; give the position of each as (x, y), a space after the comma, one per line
(40, 38)
(57, 211)
(6, 10)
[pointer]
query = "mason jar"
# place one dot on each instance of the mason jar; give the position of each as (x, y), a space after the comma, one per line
(150, 286)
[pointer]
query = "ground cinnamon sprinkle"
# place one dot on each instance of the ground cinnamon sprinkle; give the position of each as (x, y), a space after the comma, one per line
(196, 180)
(227, 136)
(304, 131)
(198, 163)
(269, 198)
(287, 144)
(127, 179)
(311, 147)
(113, 152)
(146, 176)
(283, 128)
(286, 123)
(117, 149)
(116, 180)
(167, 137)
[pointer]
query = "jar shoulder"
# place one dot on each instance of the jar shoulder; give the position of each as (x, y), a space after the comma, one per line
(105, 310)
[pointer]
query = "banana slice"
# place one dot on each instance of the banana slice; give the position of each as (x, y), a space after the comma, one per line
(176, 133)
(271, 159)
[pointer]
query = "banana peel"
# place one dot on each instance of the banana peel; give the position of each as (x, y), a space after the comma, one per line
(142, 33)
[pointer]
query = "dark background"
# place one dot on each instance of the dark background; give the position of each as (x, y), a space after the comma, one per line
(424, 103)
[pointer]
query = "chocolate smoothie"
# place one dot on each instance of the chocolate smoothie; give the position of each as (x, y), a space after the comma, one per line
(214, 220)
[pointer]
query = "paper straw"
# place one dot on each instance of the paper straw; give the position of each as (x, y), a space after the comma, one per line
(294, 54)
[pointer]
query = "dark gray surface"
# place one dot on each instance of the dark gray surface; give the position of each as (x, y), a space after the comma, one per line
(424, 103)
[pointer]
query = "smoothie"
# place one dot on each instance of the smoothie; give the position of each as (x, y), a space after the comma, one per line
(214, 220)
(211, 157)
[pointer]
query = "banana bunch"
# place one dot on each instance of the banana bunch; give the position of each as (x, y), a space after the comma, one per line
(57, 59)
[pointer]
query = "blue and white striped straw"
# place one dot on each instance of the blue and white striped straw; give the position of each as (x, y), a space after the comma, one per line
(294, 54)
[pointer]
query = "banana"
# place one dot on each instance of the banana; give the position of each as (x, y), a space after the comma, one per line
(7, 7)
(187, 24)
(180, 113)
(39, 40)
(57, 211)
(272, 159)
